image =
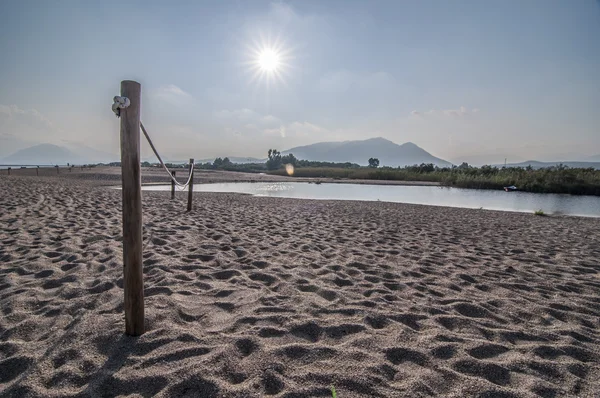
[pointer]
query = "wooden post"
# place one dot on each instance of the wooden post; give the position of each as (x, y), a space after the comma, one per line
(57, 171)
(173, 186)
(133, 277)
(9, 170)
(191, 186)
(37, 171)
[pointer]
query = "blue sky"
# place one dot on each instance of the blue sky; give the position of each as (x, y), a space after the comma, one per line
(466, 80)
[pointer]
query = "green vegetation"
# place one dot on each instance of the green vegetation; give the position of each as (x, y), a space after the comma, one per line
(539, 212)
(559, 179)
(373, 163)
(226, 164)
(275, 160)
(333, 393)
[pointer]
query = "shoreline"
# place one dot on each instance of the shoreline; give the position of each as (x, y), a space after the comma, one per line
(156, 175)
(110, 177)
(153, 175)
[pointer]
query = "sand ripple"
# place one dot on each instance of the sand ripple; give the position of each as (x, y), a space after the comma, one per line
(249, 297)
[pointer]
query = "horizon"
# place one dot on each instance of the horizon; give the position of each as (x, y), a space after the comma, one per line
(234, 79)
(590, 162)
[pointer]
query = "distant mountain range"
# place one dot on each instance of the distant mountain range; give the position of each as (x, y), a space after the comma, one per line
(388, 153)
(54, 154)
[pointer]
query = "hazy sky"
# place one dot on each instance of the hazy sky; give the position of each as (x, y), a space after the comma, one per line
(461, 79)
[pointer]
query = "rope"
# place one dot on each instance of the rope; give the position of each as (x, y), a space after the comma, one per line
(163, 164)
(122, 103)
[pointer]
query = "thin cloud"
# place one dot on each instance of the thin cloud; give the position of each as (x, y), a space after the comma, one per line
(298, 129)
(30, 117)
(307, 127)
(270, 119)
(173, 95)
(247, 116)
(456, 113)
(460, 112)
(20, 128)
(281, 131)
(243, 114)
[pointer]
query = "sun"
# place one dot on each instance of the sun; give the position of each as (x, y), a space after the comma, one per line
(268, 60)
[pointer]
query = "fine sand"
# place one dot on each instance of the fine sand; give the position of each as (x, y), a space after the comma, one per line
(253, 296)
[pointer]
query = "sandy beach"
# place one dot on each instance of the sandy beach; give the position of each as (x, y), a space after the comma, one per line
(253, 296)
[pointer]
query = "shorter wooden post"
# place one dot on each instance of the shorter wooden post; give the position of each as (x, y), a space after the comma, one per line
(57, 171)
(173, 186)
(191, 186)
(9, 170)
(37, 171)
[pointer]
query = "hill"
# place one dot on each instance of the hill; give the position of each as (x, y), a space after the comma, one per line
(538, 165)
(388, 153)
(42, 154)
(54, 154)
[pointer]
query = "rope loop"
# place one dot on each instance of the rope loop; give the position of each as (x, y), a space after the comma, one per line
(180, 185)
(120, 103)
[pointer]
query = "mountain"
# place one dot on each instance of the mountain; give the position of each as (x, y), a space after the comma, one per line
(42, 154)
(388, 153)
(10, 143)
(54, 154)
(538, 165)
(91, 155)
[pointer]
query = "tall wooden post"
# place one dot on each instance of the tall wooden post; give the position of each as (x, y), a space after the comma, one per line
(57, 170)
(191, 186)
(37, 171)
(9, 171)
(173, 186)
(133, 283)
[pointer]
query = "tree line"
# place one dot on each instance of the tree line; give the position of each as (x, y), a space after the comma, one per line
(558, 179)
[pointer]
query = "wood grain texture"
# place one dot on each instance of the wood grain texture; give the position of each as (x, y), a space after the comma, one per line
(133, 282)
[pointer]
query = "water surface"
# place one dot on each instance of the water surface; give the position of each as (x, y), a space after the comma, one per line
(588, 206)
